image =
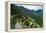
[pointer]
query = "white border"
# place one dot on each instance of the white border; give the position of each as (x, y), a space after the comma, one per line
(35, 3)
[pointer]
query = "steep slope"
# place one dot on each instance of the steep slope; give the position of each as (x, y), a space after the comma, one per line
(36, 15)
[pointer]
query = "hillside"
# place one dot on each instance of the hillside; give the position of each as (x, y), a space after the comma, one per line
(36, 15)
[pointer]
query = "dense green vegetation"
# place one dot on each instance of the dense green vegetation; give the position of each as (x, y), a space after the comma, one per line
(25, 17)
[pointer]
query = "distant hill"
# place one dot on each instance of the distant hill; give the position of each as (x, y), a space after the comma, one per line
(28, 12)
(24, 10)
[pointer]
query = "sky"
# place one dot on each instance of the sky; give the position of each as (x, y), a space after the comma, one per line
(34, 7)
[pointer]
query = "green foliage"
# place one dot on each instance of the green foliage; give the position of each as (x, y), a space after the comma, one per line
(25, 19)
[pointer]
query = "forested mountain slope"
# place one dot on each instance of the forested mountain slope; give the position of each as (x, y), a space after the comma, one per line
(33, 16)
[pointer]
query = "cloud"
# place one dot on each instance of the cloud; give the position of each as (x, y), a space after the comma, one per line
(34, 7)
